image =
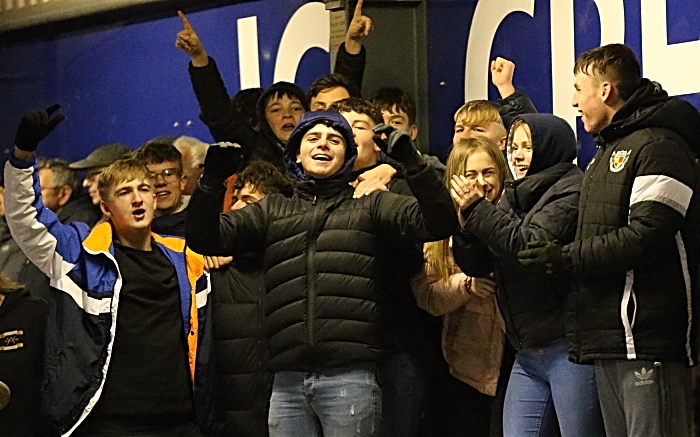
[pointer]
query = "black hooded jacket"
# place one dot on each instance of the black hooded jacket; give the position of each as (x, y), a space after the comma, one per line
(541, 206)
(320, 254)
(637, 246)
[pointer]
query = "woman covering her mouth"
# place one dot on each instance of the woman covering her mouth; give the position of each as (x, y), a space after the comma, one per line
(541, 204)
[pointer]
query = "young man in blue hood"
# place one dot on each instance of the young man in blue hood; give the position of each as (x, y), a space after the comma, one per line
(636, 252)
(323, 273)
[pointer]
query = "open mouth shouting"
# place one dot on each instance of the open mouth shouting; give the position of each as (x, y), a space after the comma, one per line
(139, 214)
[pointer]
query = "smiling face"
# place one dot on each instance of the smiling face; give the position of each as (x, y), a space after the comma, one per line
(589, 99)
(325, 98)
(490, 130)
(130, 206)
(520, 153)
(362, 125)
(480, 167)
(322, 152)
(168, 185)
(282, 114)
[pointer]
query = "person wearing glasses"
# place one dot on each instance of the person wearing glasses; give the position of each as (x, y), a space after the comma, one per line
(95, 163)
(164, 162)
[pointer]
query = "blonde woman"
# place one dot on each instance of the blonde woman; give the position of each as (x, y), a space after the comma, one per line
(540, 204)
(473, 331)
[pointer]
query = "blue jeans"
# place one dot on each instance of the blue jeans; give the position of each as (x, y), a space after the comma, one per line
(333, 403)
(544, 385)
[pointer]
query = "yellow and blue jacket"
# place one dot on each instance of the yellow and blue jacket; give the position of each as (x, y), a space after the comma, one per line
(83, 310)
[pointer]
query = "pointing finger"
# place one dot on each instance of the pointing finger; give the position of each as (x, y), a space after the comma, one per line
(185, 22)
(358, 9)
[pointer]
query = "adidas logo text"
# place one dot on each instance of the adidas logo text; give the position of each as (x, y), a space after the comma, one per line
(644, 377)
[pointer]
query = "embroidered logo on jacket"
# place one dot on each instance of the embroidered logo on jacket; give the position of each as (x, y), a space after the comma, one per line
(11, 340)
(619, 159)
(644, 376)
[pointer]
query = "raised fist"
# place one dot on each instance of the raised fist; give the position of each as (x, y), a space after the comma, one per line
(35, 126)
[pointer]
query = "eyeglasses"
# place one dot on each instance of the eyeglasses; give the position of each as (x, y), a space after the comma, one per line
(169, 174)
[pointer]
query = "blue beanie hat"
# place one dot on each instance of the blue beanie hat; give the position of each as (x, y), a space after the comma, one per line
(333, 119)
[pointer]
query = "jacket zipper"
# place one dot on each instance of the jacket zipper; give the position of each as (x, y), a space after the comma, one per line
(311, 274)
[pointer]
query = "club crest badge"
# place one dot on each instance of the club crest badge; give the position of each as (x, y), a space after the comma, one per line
(619, 159)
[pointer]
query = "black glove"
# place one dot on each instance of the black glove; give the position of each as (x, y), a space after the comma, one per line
(543, 255)
(35, 126)
(222, 161)
(399, 146)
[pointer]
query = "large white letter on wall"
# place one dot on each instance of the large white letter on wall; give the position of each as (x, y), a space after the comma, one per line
(675, 66)
(309, 27)
(487, 17)
(612, 29)
(248, 61)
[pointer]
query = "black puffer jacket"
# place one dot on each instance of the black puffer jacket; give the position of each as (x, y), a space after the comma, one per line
(637, 240)
(541, 206)
(322, 272)
(243, 385)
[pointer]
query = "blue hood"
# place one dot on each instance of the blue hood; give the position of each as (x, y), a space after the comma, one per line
(553, 142)
(310, 119)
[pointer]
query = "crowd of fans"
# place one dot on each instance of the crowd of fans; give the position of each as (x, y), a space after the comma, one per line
(311, 273)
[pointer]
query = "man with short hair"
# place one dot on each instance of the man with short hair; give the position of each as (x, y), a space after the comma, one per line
(636, 254)
(128, 343)
(95, 163)
(398, 109)
(60, 193)
(329, 89)
(321, 250)
(165, 164)
(479, 118)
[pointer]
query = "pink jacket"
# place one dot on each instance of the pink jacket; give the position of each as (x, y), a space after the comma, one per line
(473, 332)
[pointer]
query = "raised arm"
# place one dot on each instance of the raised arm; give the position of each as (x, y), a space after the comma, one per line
(206, 80)
(430, 215)
(351, 58)
(209, 232)
(506, 234)
(512, 102)
(50, 245)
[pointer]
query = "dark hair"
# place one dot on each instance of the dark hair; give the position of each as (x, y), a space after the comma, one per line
(334, 80)
(615, 63)
(394, 99)
(278, 90)
(156, 153)
(361, 106)
(243, 107)
(61, 173)
(264, 177)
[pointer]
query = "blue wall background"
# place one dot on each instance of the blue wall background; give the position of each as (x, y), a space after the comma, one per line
(526, 41)
(130, 83)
